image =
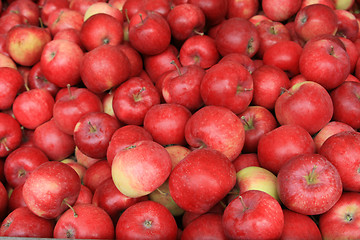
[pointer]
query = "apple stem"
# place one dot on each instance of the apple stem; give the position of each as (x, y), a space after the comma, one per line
(72, 209)
(250, 47)
(69, 90)
(312, 175)
(246, 122)
(283, 90)
(142, 21)
(177, 67)
(127, 16)
(273, 30)
(137, 96)
(41, 22)
(162, 192)
(26, 87)
(130, 147)
(222, 204)
(92, 127)
(198, 32)
(243, 203)
(240, 89)
(21, 173)
(3, 142)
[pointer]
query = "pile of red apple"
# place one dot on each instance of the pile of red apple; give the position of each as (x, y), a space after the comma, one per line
(180, 119)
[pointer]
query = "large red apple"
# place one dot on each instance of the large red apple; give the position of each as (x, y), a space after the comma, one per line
(51, 188)
(11, 82)
(280, 10)
(10, 134)
(202, 171)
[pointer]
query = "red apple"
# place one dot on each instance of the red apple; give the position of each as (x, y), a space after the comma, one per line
(342, 150)
(16, 199)
(309, 184)
(11, 82)
(10, 134)
(141, 168)
(269, 83)
(85, 195)
(216, 128)
(51, 188)
(233, 90)
(10, 20)
(60, 62)
(83, 159)
(103, 7)
(21, 162)
(295, 106)
(85, 221)
(135, 59)
(96, 174)
(280, 10)
(56, 144)
(351, 50)
(49, 6)
(64, 18)
(146, 220)
(348, 26)
(166, 123)
(105, 60)
(298, 226)
(247, 212)
(26, 8)
(341, 221)
(244, 9)
(214, 10)
(200, 172)
(25, 43)
(133, 99)
(22, 223)
(36, 80)
(79, 169)
(33, 108)
(69, 34)
(257, 121)
(110, 32)
(276, 147)
(243, 59)
(246, 160)
(93, 131)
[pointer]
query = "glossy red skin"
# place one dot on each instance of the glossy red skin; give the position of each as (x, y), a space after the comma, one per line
(233, 90)
(85, 195)
(60, 62)
(351, 51)
(93, 68)
(166, 123)
(271, 33)
(348, 26)
(306, 104)
(315, 20)
(163, 7)
(21, 162)
(149, 34)
(90, 222)
(198, 169)
(284, 55)
(188, 217)
(199, 50)
(346, 103)
(257, 121)
(214, 10)
(28, 9)
(64, 18)
(49, 6)
(11, 82)
(70, 106)
(260, 207)
(10, 134)
(309, 198)
(157, 65)
(47, 201)
(299, 226)
(280, 10)
(336, 223)
(237, 35)
(269, 82)
(56, 144)
(184, 88)
(70, 34)
(208, 225)
(246, 160)
(324, 62)
(244, 9)
(185, 20)
(332, 128)
(276, 147)
(133, 223)
(31, 39)
(209, 124)
(342, 150)
(36, 80)
(4, 201)
(133, 99)
(16, 199)
(94, 143)
(82, 5)
(10, 20)
(109, 198)
(83, 159)
(33, 108)
(243, 59)
(96, 174)
(124, 137)
(111, 31)
(135, 59)
(23, 223)
(329, 3)
(131, 7)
